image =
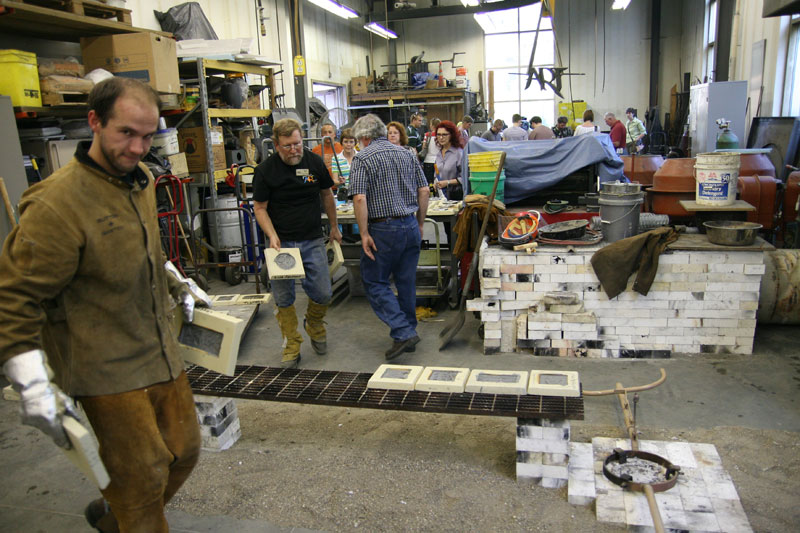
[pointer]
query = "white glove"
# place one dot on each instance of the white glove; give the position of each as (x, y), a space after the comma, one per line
(190, 293)
(42, 405)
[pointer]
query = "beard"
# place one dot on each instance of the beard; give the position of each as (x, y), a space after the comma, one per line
(123, 165)
(291, 159)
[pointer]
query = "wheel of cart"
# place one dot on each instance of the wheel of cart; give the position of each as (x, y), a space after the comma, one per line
(255, 242)
(233, 271)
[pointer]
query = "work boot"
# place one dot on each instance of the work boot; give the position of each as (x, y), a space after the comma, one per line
(287, 319)
(100, 517)
(315, 326)
(398, 347)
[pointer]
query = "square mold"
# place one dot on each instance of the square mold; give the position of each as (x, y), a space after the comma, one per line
(253, 299)
(442, 379)
(224, 299)
(554, 383)
(396, 377)
(286, 264)
(498, 382)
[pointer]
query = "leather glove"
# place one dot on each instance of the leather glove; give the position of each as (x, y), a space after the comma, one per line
(188, 293)
(42, 405)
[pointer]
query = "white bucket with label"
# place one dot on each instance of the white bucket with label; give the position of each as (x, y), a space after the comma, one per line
(166, 142)
(717, 175)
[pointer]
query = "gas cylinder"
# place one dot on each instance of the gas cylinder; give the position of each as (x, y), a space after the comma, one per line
(726, 139)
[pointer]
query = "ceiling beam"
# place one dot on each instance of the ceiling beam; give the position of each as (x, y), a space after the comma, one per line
(446, 11)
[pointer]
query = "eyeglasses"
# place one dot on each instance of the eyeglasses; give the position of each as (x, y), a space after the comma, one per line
(443, 135)
(293, 146)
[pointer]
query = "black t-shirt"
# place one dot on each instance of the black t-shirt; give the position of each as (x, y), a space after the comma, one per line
(293, 195)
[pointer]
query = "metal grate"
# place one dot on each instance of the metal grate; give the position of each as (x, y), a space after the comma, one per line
(349, 389)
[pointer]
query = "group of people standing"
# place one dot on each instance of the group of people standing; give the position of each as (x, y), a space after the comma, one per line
(627, 138)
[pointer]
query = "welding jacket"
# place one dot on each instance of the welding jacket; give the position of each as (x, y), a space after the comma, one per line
(82, 277)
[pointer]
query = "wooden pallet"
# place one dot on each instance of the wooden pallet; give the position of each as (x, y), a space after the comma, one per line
(64, 98)
(87, 8)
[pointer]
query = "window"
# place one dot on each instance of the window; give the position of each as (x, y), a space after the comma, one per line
(791, 91)
(711, 38)
(508, 43)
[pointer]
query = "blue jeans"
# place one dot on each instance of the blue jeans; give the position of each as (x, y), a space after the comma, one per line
(317, 282)
(398, 243)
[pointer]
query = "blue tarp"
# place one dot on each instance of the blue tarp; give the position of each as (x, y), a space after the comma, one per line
(535, 165)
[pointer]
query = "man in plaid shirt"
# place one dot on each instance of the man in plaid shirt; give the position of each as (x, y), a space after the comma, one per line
(390, 195)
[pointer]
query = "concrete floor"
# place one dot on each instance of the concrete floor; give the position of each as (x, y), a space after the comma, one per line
(42, 492)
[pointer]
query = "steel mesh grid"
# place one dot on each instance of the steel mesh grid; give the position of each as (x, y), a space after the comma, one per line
(349, 389)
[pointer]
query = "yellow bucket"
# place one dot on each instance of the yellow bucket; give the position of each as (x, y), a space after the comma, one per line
(20, 78)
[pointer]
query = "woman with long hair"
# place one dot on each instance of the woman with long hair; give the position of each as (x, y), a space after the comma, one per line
(448, 160)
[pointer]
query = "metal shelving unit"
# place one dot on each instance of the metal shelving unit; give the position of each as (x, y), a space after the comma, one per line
(202, 68)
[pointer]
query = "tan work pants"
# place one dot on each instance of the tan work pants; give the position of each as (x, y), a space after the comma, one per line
(149, 441)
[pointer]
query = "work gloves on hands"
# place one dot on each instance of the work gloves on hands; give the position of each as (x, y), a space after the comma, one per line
(42, 405)
(186, 292)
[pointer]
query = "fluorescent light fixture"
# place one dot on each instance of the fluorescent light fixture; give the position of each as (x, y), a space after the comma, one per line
(336, 8)
(377, 29)
(620, 4)
(471, 3)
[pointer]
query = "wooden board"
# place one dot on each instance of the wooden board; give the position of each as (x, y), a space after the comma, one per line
(738, 205)
(19, 18)
(700, 242)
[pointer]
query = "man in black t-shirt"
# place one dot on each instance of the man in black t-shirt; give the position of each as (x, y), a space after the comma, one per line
(287, 188)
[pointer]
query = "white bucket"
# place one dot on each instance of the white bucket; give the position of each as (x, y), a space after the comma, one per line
(166, 142)
(716, 174)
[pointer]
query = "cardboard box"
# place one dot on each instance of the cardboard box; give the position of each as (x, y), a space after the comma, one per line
(192, 142)
(431, 84)
(358, 85)
(179, 166)
(145, 56)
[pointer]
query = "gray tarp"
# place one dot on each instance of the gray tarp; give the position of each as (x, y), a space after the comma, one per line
(535, 165)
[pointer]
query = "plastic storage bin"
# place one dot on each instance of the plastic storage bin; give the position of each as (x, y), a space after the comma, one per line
(20, 78)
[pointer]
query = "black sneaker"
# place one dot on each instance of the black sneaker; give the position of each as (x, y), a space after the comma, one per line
(398, 347)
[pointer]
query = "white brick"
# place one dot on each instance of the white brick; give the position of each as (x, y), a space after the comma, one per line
(726, 268)
(580, 491)
(490, 283)
(578, 326)
(541, 335)
(490, 316)
(534, 325)
(551, 269)
(510, 305)
(492, 334)
(542, 445)
(673, 259)
(730, 515)
(754, 269)
(581, 335)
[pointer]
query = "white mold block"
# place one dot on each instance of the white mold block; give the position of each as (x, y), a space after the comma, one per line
(285, 264)
(497, 382)
(396, 377)
(554, 383)
(442, 379)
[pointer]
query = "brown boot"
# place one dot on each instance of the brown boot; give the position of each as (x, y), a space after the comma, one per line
(315, 326)
(287, 319)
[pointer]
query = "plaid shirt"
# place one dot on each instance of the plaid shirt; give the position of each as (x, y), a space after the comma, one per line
(389, 176)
